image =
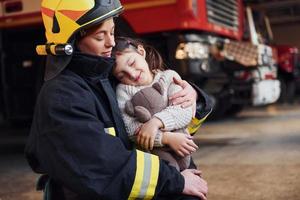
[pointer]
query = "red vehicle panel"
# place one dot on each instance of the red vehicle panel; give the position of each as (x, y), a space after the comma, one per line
(144, 16)
(286, 57)
(148, 16)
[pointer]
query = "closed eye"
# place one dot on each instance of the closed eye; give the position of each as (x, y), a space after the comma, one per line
(131, 61)
(99, 38)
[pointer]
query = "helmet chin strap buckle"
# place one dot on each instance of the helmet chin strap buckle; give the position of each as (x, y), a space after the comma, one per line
(55, 49)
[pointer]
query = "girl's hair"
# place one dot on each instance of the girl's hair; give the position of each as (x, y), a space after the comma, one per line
(153, 58)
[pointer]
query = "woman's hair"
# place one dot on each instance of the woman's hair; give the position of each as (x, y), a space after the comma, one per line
(153, 58)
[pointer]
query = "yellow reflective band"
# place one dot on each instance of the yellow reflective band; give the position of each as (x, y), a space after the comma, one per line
(41, 50)
(52, 49)
(154, 178)
(110, 131)
(103, 16)
(138, 175)
(146, 176)
(195, 124)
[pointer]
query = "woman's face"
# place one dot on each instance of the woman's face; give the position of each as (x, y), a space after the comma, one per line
(99, 40)
(132, 68)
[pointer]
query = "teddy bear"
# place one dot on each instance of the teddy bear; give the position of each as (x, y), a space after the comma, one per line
(143, 105)
(146, 102)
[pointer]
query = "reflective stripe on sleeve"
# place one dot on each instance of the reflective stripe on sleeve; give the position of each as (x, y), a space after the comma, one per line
(146, 176)
(195, 124)
(110, 131)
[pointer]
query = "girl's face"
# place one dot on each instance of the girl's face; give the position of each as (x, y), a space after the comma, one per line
(99, 40)
(132, 68)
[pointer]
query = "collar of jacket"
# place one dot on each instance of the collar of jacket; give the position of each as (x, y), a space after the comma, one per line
(91, 66)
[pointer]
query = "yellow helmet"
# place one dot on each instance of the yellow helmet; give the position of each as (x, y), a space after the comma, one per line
(63, 19)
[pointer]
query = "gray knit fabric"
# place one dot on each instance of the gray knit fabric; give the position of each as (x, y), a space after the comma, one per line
(172, 117)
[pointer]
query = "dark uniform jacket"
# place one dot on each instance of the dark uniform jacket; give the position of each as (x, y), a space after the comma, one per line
(78, 138)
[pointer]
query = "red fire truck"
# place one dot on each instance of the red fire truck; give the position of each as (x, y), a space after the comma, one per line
(186, 32)
(287, 56)
(288, 71)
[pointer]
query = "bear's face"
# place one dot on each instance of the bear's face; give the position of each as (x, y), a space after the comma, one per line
(145, 103)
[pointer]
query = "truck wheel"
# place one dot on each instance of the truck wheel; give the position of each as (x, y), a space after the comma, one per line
(288, 90)
(234, 109)
(222, 104)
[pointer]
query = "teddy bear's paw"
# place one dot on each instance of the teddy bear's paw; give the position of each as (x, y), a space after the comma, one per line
(142, 114)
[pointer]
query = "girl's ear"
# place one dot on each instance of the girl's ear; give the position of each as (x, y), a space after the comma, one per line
(141, 50)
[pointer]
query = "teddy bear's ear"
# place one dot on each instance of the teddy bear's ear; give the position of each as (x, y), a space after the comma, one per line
(129, 108)
(159, 87)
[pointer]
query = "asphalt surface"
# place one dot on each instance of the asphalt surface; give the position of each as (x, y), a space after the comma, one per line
(254, 156)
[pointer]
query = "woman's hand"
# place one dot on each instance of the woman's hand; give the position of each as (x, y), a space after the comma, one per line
(185, 97)
(182, 144)
(147, 132)
(194, 185)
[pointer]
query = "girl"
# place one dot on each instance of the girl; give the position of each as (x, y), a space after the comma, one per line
(139, 66)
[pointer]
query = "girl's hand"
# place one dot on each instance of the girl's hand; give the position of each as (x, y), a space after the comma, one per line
(182, 144)
(147, 133)
(185, 97)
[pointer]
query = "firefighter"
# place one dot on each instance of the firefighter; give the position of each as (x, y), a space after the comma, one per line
(77, 138)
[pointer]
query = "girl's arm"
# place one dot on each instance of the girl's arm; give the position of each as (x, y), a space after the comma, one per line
(174, 116)
(182, 144)
(193, 95)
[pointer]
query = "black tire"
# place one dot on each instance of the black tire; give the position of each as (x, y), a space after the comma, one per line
(288, 91)
(234, 110)
(222, 104)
